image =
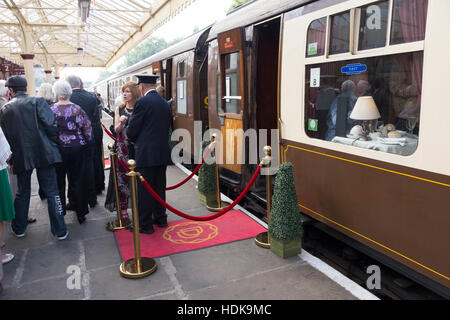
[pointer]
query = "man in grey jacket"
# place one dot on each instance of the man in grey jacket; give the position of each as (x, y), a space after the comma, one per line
(28, 124)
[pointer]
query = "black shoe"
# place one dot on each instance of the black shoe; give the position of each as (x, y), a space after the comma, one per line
(146, 231)
(81, 219)
(162, 224)
(92, 204)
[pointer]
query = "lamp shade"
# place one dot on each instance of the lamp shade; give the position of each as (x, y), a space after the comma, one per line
(365, 109)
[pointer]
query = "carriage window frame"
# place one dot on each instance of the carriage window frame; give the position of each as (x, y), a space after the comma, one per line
(355, 54)
(181, 80)
(226, 69)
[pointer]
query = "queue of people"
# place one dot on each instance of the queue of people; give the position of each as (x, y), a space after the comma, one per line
(58, 134)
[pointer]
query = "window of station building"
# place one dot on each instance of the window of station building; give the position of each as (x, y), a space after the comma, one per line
(340, 33)
(317, 32)
(409, 19)
(373, 26)
(394, 82)
(231, 101)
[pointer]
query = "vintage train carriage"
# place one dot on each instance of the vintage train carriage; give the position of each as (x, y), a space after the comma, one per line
(301, 66)
(392, 198)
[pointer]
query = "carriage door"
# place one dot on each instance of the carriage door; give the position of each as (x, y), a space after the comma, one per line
(232, 101)
(265, 98)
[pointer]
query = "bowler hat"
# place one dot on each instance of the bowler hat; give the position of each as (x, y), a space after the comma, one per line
(16, 82)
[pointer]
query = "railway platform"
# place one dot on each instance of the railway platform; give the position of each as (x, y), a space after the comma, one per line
(237, 270)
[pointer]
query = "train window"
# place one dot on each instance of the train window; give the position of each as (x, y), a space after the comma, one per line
(181, 69)
(317, 31)
(394, 82)
(373, 26)
(409, 19)
(231, 102)
(181, 97)
(340, 33)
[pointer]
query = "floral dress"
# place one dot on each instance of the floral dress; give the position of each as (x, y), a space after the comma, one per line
(122, 149)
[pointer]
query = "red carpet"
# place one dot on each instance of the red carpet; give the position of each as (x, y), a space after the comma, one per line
(185, 235)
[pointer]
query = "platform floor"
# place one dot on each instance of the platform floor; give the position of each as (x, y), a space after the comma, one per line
(232, 271)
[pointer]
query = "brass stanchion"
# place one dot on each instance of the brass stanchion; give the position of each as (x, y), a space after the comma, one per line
(139, 267)
(119, 223)
(105, 167)
(219, 200)
(263, 239)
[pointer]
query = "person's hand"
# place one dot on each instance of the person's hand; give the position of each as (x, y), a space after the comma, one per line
(10, 169)
(123, 119)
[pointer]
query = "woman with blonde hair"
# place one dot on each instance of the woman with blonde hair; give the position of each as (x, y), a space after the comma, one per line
(124, 150)
(46, 92)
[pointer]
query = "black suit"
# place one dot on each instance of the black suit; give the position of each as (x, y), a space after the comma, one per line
(148, 129)
(89, 103)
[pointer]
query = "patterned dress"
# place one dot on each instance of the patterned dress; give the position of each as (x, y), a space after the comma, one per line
(122, 148)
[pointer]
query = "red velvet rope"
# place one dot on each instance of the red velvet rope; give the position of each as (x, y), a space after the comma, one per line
(193, 172)
(108, 132)
(124, 165)
(205, 218)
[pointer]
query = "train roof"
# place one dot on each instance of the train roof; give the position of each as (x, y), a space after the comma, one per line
(187, 44)
(255, 11)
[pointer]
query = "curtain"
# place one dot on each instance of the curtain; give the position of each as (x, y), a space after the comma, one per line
(413, 16)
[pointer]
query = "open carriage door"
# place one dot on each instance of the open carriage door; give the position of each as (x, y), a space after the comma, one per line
(265, 93)
(231, 108)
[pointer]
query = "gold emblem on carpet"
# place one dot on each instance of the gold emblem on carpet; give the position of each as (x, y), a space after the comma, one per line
(191, 232)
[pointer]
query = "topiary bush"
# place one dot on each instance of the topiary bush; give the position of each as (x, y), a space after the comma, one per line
(207, 186)
(285, 223)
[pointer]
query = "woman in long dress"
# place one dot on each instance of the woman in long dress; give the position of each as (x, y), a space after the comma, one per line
(123, 148)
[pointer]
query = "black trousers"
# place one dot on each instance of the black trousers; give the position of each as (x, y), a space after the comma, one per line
(75, 166)
(150, 211)
(88, 171)
(99, 171)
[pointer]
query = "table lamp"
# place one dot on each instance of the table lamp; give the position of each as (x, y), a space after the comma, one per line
(366, 110)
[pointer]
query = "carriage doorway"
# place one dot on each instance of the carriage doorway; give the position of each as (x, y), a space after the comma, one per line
(267, 38)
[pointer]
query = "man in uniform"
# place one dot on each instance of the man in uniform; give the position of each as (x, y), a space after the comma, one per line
(148, 129)
(28, 124)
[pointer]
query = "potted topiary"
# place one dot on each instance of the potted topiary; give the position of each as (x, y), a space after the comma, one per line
(207, 186)
(285, 226)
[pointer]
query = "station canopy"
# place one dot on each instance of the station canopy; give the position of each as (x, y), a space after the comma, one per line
(88, 33)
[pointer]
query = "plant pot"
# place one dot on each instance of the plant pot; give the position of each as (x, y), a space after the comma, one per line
(209, 199)
(286, 248)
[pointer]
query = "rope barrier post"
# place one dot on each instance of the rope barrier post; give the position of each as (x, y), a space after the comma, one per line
(105, 167)
(119, 223)
(139, 267)
(219, 199)
(263, 239)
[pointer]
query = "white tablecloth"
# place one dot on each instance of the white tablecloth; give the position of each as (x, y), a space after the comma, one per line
(406, 150)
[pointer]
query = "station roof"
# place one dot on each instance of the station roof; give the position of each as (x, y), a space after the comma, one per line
(53, 30)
